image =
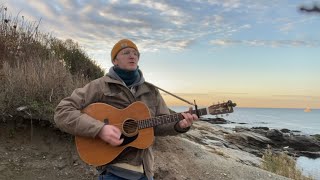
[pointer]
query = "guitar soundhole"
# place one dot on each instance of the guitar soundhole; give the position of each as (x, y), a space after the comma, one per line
(130, 127)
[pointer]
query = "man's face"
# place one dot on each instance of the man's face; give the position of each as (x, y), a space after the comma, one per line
(127, 59)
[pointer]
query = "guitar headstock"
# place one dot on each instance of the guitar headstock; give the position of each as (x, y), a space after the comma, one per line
(222, 108)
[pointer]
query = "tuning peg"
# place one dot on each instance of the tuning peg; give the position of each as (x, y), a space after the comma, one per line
(217, 116)
(227, 114)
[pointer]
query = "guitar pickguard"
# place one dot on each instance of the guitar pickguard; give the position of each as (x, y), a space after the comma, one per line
(128, 140)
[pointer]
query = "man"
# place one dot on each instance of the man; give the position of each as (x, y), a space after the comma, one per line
(123, 85)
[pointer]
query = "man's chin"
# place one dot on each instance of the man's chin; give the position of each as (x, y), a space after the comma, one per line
(131, 68)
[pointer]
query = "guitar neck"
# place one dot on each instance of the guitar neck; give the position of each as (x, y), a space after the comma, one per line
(165, 119)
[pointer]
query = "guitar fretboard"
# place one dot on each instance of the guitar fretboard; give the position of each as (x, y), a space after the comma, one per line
(165, 119)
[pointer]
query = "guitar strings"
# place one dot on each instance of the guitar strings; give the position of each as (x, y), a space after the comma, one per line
(128, 125)
(134, 124)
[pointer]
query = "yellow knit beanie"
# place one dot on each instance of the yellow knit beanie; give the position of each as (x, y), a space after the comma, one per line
(123, 43)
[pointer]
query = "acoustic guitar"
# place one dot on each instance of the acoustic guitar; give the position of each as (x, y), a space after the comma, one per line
(136, 126)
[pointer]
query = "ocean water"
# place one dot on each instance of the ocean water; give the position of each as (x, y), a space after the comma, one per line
(293, 119)
(309, 167)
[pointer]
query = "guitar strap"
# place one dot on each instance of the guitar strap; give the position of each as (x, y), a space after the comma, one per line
(180, 98)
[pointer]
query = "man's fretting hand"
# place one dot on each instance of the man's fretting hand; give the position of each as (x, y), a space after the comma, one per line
(188, 119)
(111, 135)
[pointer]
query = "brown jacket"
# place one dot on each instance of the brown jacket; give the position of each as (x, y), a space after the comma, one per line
(69, 118)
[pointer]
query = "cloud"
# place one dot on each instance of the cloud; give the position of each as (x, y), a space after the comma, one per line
(265, 43)
(230, 93)
(162, 24)
(187, 94)
(297, 96)
(288, 24)
(207, 94)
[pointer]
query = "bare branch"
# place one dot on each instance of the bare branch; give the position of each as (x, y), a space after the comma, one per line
(314, 9)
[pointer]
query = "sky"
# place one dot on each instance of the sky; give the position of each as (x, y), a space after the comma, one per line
(256, 53)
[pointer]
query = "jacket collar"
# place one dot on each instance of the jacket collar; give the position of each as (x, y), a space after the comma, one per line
(141, 89)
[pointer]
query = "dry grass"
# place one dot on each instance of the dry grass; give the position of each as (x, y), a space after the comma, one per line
(282, 164)
(37, 70)
(37, 85)
(317, 137)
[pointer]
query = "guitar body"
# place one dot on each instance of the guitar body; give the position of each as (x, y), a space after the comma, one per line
(136, 125)
(96, 152)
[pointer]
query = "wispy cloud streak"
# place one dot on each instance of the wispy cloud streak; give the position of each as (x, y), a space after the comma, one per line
(267, 43)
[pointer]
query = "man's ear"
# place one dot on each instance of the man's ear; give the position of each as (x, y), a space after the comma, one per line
(115, 61)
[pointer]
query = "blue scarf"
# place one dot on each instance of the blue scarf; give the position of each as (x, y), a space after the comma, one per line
(128, 77)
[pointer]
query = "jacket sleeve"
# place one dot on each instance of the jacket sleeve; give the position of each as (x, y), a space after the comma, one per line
(68, 116)
(170, 128)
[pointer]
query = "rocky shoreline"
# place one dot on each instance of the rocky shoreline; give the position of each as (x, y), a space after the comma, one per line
(212, 151)
(256, 140)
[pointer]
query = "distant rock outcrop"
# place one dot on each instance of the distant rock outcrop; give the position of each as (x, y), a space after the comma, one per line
(256, 140)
